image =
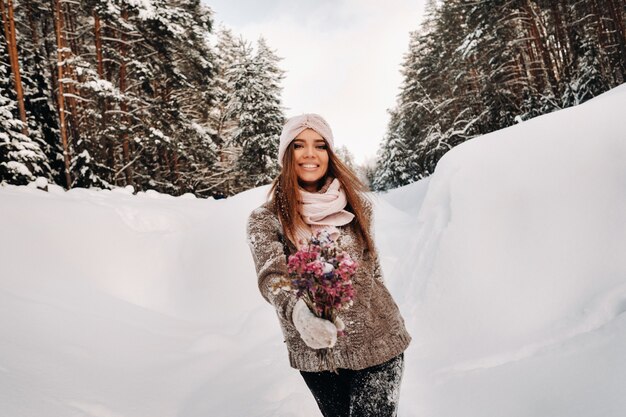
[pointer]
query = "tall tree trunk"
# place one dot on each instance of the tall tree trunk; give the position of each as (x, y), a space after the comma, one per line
(172, 155)
(600, 27)
(107, 143)
(549, 43)
(48, 53)
(61, 54)
(31, 23)
(128, 171)
(620, 34)
(176, 168)
(548, 68)
(563, 35)
(73, 121)
(98, 38)
(562, 48)
(533, 62)
(72, 41)
(107, 72)
(601, 33)
(9, 31)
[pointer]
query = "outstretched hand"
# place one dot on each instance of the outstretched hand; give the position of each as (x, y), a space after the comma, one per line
(316, 332)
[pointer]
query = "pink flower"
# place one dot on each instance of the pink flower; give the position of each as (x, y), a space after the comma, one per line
(321, 274)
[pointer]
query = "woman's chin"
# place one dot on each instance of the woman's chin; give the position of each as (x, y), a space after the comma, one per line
(310, 178)
(309, 182)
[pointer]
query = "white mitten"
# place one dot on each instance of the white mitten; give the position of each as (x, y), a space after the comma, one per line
(317, 333)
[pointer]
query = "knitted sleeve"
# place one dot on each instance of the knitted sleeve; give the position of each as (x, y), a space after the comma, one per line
(369, 210)
(270, 261)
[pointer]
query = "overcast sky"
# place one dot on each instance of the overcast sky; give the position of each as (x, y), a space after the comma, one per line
(341, 57)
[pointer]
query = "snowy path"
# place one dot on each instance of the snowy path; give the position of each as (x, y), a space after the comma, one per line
(507, 265)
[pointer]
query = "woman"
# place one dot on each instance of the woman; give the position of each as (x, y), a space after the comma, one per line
(315, 191)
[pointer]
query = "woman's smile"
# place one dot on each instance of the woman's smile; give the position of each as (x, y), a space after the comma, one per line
(309, 167)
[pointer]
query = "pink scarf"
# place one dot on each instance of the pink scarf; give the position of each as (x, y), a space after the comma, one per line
(323, 210)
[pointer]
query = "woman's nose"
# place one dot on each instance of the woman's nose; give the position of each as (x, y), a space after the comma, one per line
(308, 151)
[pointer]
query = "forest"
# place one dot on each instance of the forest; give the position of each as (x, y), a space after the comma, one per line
(474, 67)
(152, 94)
(115, 93)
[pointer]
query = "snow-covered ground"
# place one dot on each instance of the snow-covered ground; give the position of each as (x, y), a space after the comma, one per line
(508, 265)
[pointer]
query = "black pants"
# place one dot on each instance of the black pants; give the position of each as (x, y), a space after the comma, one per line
(369, 392)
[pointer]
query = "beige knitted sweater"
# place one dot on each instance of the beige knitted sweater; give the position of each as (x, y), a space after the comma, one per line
(375, 330)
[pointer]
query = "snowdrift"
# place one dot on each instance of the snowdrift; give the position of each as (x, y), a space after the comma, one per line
(515, 284)
(507, 264)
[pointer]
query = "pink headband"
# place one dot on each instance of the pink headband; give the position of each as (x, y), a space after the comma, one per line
(297, 124)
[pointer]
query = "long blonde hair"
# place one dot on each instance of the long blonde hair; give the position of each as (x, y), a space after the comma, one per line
(285, 194)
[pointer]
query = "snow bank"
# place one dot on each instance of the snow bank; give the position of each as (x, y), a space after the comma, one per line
(515, 284)
(505, 263)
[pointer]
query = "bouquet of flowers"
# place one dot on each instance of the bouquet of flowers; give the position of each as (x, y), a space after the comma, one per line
(321, 275)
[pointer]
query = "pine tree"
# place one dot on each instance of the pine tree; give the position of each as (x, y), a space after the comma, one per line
(174, 37)
(344, 154)
(118, 92)
(40, 112)
(393, 167)
(224, 118)
(21, 158)
(474, 67)
(257, 91)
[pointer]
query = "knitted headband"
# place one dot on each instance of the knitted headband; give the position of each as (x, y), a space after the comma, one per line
(295, 125)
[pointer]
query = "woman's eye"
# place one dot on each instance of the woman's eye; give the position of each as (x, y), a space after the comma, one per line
(299, 145)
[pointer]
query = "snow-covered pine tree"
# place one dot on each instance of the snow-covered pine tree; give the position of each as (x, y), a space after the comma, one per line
(222, 112)
(258, 105)
(586, 79)
(346, 156)
(177, 148)
(474, 67)
(121, 92)
(587, 72)
(112, 92)
(398, 162)
(21, 156)
(395, 165)
(223, 116)
(38, 96)
(367, 172)
(88, 91)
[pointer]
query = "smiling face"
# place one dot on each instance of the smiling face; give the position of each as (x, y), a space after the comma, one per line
(310, 158)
